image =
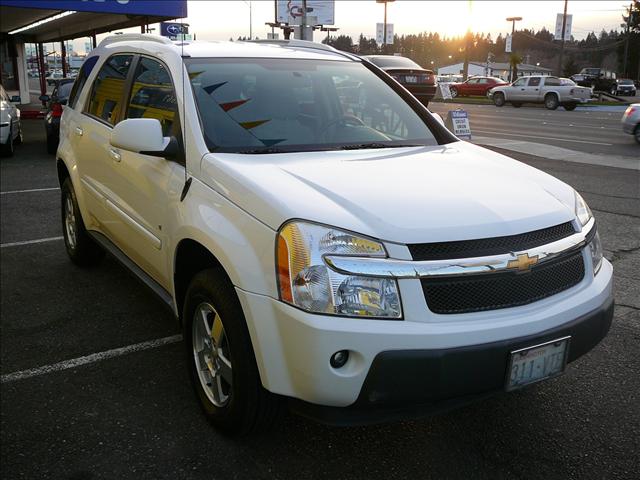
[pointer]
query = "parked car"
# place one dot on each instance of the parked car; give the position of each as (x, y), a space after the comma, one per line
(54, 77)
(352, 260)
(10, 125)
(599, 79)
(631, 121)
(624, 86)
(551, 91)
(419, 81)
(54, 106)
(476, 86)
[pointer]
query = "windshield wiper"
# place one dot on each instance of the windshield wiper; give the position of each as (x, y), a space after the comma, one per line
(363, 146)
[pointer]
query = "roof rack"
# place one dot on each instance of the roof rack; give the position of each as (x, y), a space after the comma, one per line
(306, 44)
(134, 37)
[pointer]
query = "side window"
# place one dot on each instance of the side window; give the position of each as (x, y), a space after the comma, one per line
(85, 71)
(106, 94)
(552, 82)
(152, 94)
(534, 81)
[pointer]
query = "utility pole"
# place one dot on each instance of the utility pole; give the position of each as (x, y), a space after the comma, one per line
(513, 21)
(626, 43)
(564, 26)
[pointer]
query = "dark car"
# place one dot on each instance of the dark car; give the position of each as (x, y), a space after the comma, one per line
(476, 86)
(419, 81)
(54, 103)
(599, 79)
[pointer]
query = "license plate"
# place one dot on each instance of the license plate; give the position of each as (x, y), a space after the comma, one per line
(533, 364)
(411, 79)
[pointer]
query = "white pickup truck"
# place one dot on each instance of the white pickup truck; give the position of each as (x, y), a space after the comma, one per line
(552, 91)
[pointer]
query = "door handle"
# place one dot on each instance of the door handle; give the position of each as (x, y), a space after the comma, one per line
(115, 155)
(79, 131)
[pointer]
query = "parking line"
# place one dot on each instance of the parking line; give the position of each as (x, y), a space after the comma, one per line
(95, 357)
(30, 191)
(29, 242)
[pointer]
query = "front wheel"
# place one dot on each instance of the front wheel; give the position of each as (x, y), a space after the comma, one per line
(498, 99)
(221, 360)
(81, 248)
(551, 101)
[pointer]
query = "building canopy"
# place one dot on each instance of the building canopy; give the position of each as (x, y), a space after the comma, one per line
(87, 17)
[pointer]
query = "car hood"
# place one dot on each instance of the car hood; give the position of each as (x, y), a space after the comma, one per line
(406, 195)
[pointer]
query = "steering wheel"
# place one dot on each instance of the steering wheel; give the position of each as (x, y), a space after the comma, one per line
(345, 120)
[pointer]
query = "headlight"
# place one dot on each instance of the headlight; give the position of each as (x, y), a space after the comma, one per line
(595, 247)
(305, 281)
(582, 210)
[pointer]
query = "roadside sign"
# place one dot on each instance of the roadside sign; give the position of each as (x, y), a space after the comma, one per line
(507, 45)
(458, 123)
(445, 91)
(173, 30)
(291, 11)
(380, 33)
(567, 27)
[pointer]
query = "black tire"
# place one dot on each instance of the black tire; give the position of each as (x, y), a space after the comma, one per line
(81, 248)
(248, 407)
(498, 99)
(516, 104)
(7, 149)
(551, 101)
(454, 92)
(570, 106)
(19, 139)
(52, 144)
(636, 134)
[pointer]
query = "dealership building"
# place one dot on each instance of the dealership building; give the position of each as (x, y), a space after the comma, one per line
(493, 69)
(26, 22)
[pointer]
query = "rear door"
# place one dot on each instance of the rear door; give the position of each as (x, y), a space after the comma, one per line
(102, 111)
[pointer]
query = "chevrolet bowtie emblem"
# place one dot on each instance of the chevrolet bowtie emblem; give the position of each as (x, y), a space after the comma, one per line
(523, 262)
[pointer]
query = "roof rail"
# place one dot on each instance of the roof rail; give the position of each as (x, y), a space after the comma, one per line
(134, 37)
(307, 44)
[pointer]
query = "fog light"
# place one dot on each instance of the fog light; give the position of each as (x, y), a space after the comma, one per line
(339, 358)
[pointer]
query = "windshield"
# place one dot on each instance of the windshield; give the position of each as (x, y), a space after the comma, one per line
(625, 82)
(267, 105)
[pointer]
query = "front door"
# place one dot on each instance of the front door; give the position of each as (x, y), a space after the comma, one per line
(144, 187)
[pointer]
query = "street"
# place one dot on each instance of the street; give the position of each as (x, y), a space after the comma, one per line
(586, 129)
(131, 413)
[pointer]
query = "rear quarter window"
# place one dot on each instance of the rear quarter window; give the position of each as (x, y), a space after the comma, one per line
(80, 82)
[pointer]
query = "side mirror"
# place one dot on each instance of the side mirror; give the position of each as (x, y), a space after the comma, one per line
(44, 98)
(438, 117)
(143, 135)
(15, 99)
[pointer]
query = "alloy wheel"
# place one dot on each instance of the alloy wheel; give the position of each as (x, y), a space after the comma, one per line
(70, 222)
(211, 354)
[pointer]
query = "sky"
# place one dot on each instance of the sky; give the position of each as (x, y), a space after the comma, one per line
(221, 20)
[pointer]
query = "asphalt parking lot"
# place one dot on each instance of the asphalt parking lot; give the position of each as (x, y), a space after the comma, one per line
(131, 413)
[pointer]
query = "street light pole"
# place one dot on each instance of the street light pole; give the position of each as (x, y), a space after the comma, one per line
(564, 26)
(513, 21)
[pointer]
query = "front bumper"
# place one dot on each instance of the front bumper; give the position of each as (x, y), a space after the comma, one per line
(414, 383)
(293, 347)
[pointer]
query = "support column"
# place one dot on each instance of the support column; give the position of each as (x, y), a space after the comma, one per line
(22, 71)
(43, 81)
(63, 56)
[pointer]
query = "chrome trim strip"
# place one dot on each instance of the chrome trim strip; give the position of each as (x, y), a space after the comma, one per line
(392, 268)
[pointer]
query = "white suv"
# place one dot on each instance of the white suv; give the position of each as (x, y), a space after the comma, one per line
(325, 242)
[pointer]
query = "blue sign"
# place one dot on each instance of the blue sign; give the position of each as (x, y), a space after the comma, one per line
(173, 29)
(153, 8)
